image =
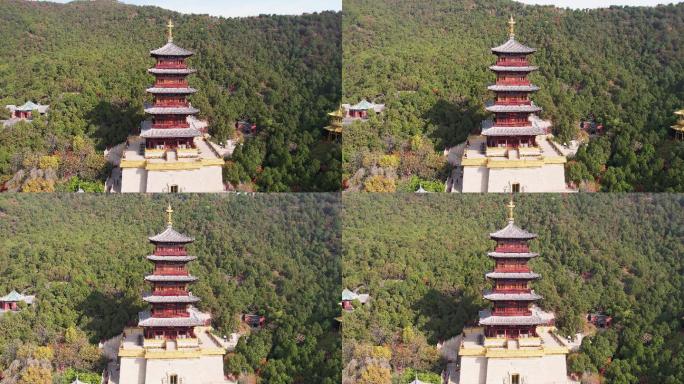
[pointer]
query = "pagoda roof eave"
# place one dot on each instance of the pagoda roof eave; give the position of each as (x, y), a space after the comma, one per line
(171, 111)
(498, 296)
(179, 259)
(512, 232)
(171, 50)
(161, 133)
(513, 275)
(513, 88)
(512, 46)
(171, 71)
(170, 235)
(504, 68)
(157, 299)
(171, 91)
(513, 131)
(170, 278)
(512, 255)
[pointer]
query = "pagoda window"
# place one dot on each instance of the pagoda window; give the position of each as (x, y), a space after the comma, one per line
(515, 378)
(173, 379)
(174, 189)
(516, 187)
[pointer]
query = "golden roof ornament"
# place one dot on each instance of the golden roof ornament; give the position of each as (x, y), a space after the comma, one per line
(169, 214)
(511, 207)
(511, 27)
(169, 34)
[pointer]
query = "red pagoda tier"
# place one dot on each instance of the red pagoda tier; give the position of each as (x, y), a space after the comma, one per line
(512, 106)
(172, 315)
(169, 127)
(514, 314)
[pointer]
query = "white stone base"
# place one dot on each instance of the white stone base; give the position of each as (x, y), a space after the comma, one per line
(481, 179)
(201, 370)
(208, 179)
(549, 369)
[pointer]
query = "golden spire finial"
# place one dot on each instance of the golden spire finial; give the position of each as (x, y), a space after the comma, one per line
(511, 207)
(511, 27)
(169, 214)
(169, 34)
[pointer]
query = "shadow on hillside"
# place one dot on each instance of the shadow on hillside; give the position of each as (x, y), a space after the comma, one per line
(107, 314)
(113, 123)
(447, 313)
(454, 122)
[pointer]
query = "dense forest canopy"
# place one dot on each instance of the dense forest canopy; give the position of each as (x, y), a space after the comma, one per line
(423, 260)
(89, 61)
(84, 259)
(428, 61)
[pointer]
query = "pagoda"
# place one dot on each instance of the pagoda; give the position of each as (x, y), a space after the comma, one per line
(335, 128)
(515, 342)
(173, 342)
(678, 128)
(172, 152)
(515, 147)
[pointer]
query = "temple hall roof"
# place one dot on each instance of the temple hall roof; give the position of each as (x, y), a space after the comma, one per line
(196, 319)
(348, 295)
(170, 235)
(171, 49)
(15, 296)
(513, 46)
(512, 231)
(538, 317)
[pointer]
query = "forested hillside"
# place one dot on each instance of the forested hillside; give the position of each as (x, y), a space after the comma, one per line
(428, 61)
(89, 61)
(423, 259)
(84, 259)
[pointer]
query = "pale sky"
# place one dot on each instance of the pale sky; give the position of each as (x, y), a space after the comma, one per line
(581, 4)
(238, 8)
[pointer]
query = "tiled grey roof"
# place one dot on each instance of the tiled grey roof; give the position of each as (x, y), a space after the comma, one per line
(512, 46)
(538, 317)
(196, 319)
(171, 111)
(512, 255)
(511, 231)
(170, 278)
(171, 258)
(150, 298)
(513, 131)
(171, 71)
(511, 296)
(171, 49)
(511, 320)
(496, 108)
(170, 235)
(512, 275)
(513, 88)
(504, 68)
(170, 132)
(172, 91)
